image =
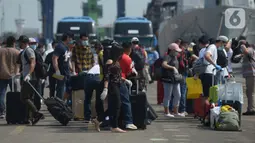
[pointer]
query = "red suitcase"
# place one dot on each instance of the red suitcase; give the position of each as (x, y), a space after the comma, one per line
(160, 92)
(201, 111)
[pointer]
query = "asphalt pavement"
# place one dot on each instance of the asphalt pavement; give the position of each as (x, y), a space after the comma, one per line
(176, 130)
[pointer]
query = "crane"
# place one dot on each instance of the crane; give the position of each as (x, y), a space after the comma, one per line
(47, 7)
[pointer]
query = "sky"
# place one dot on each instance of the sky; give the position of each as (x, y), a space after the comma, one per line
(29, 11)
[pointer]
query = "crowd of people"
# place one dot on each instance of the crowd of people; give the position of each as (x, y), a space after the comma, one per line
(217, 56)
(106, 73)
(109, 72)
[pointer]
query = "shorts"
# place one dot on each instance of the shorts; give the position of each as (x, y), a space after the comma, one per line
(206, 80)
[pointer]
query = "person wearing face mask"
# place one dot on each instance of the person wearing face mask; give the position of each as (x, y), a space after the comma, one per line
(248, 71)
(32, 43)
(170, 66)
(83, 63)
(61, 64)
(222, 58)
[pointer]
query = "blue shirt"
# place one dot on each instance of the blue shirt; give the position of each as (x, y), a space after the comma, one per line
(61, 51)
(152, 57)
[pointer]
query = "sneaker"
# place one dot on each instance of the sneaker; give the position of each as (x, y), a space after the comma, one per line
(180, 114)
(249, 113)
(169, 115)
(131, 127)
(37, 117)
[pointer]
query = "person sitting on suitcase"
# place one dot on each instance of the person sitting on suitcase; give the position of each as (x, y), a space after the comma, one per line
(126, 67)
(112, 81)
(28, 75)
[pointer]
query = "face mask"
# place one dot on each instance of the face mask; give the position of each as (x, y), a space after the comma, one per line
(174, 53)
(33, 46)
(85, 43)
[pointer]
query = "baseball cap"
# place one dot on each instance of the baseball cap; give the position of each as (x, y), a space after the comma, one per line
(135, 39)
(174, 46)
(222, 38)
(23, 39)
(32, 40)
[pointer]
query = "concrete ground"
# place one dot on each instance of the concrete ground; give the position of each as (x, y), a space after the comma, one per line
(178, 130)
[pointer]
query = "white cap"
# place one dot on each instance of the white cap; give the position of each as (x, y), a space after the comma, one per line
(135, 39)
(192, 44)
(32, 40)
(223, 38)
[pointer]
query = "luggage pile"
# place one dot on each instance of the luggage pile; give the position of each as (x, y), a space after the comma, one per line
(224, 108)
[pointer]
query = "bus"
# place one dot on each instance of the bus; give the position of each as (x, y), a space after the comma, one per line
(76, 25)
(127, 27)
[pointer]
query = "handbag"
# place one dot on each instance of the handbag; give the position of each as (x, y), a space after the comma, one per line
(178, 78)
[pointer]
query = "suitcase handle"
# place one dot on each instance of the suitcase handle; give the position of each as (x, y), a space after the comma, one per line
(13, 81)
(37, 93)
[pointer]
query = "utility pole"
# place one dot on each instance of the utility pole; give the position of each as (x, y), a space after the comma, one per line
(2, 18)
(121, 8)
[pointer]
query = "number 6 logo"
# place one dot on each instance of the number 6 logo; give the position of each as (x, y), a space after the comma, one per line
(235, 18)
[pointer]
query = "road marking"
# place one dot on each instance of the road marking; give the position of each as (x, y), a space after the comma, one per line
(17, 130)
(181, 136)
(172, 130)
(158, 139)
(183, 140)
(170, 126)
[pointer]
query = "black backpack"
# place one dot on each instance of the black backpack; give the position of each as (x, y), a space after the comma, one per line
(40, 67)
(222, 59)
(138, 57)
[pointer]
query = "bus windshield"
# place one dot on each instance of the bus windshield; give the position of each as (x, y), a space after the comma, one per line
(76, 27)
(133, 29)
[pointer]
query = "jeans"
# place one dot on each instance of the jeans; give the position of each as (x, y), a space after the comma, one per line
(169, 91)
(182, 105)
(52, 86)
(114, 104)
(61, 87)
(92, 82)
(125, 104)
(183, 87)
(3, 87)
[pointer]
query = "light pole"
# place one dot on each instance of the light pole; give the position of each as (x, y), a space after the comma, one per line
(2, 18)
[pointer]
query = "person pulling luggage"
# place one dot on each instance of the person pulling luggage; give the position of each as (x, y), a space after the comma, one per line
(28, 75)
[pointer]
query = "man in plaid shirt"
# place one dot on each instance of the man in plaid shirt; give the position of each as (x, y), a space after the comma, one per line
(83, 62)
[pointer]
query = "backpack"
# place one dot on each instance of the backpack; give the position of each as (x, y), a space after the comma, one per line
(222, 59)
(183, 62)
(199, 66)
(40, 67)
(138, 57)
(158, 69)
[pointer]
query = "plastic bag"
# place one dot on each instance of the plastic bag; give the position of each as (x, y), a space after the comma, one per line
(194, 88)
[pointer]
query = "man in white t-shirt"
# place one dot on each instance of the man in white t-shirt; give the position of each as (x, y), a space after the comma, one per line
(210, 56)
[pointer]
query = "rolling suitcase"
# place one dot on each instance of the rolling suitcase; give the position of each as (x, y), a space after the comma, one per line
(139, 106)
(16, 111)
(57, 107)
(78, 98)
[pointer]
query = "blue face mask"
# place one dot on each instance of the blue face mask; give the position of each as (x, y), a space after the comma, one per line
(33, 46)
(85, 43)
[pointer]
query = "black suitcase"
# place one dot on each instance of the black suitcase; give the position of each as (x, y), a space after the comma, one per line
(57, 107)
(16, 111)
(139, 106)
(77, 82)
(152, 115)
